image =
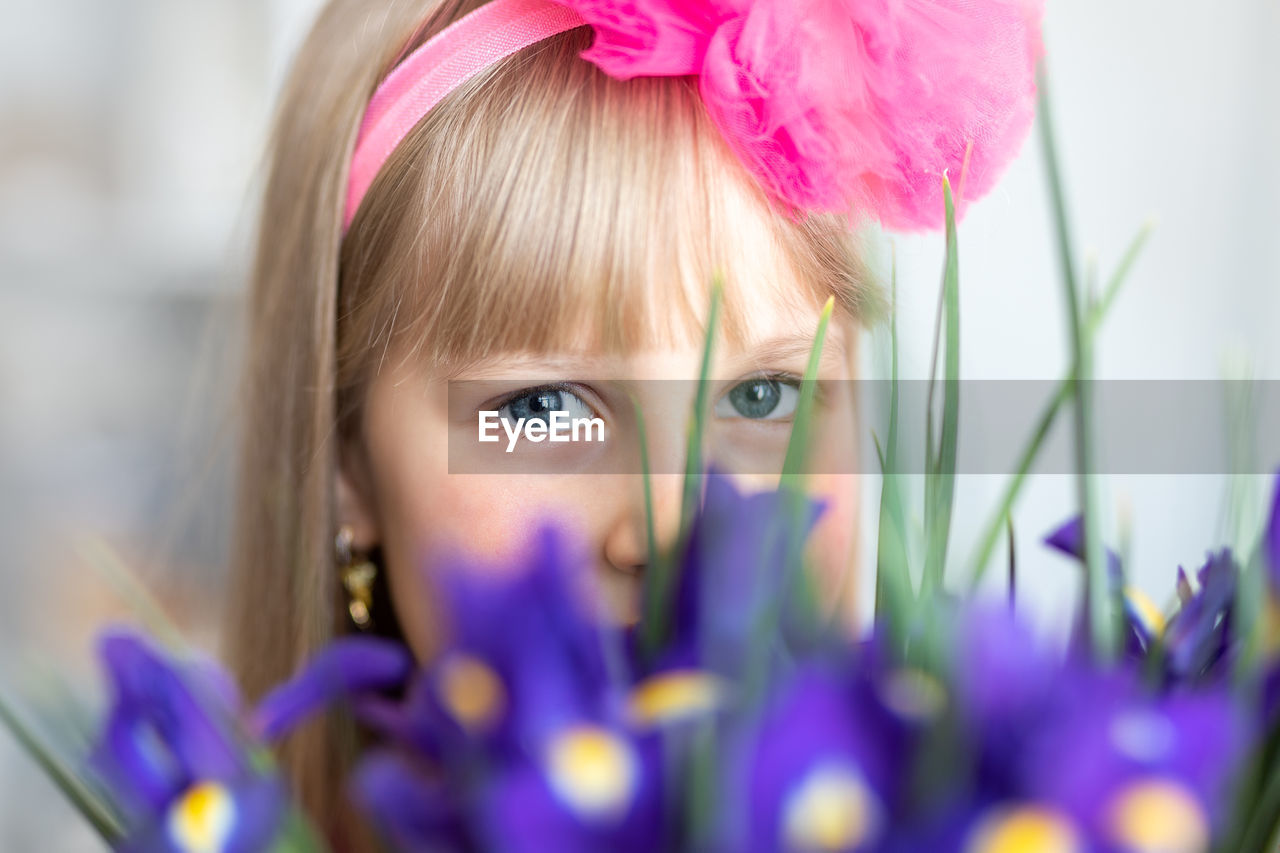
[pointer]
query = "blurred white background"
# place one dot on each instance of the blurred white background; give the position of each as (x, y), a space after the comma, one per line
(1163, 113)
(130, 135)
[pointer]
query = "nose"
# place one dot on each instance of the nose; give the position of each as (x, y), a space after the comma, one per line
(626, 545)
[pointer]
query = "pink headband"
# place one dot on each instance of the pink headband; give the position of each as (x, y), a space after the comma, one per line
(834, 105)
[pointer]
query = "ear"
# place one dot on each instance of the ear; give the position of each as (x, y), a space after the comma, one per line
(354, 497)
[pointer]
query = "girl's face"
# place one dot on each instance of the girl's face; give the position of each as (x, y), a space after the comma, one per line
(421, 483)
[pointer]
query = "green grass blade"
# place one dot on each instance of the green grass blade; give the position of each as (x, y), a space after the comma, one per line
(298, 836)
(702, 802)
(662, 577)
(1064, 393)
(95, 810)
(693, 456)
(1117, 280)
(991, 533)
(650, 534)
(1240, 520)
(1013, 564)
(1242, 525)
(132, 591)
(62, 712)
(895, 599)
(894, 595)
(893, 369)
(657, 577)
(793, 467)
(941, 475)
(1263, 824)
(1103, 608)
(794, 471)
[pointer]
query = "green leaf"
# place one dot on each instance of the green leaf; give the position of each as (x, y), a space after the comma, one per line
(1242, 526)
(895, 600)
(661, 579)
(658, 576)
(794, 470)
(1104, 605)
(1256, 823)
(693, 456)
(894, 595)
(132, 591)
(97, 811)
(1064, 393)
(298, 836)
(793, 466)
(941, 473)
(1013, 564)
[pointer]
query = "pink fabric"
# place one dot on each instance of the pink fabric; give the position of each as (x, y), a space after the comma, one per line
(446, 61)
(854, 106)
(851, 106)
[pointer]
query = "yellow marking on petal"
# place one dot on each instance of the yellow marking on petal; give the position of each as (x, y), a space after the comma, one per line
(202, 819)
(832, 809)
(1025, 829)
(1148, 613)
(1158, 816)
(471, 691)
(593, 771)
(674, 695)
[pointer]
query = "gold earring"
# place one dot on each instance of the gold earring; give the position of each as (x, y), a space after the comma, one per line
(357, 573)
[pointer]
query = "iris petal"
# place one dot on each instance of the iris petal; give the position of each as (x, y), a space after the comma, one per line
(348, 667)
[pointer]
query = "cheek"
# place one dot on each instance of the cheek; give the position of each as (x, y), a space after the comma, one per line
(834, 545)
(484, 516)
(423, 511)
(488, 518)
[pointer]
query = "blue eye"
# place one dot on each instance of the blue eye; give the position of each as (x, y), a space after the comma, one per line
(761, 398)
(534, 404)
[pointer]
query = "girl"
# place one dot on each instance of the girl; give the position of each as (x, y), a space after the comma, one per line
(539, 237)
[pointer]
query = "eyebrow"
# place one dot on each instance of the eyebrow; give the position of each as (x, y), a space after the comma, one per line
(742, 358)
(536, 363)
(790, 347)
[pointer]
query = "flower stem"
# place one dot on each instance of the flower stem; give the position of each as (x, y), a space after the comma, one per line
(1102, 608)
(1064, 393)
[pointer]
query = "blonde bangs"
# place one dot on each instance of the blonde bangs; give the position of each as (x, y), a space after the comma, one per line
(546, 206)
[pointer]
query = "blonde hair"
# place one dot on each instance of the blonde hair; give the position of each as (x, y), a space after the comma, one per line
(542, 197)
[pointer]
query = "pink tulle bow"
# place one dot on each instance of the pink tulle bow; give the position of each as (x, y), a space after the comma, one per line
(851, 106)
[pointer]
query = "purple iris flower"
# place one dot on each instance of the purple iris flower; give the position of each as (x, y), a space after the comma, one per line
(588, 788)
(172, 753)
(1123, 763)
(1088, 757)
(525, 653)
(414, 809)
(1005, 682)
(741, 561)
(346, 669)
(1139, 635)
(1200, 640)
(520, 711)
(819, 768)
(584, 787)
(1198, 643)
(1069, 539)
